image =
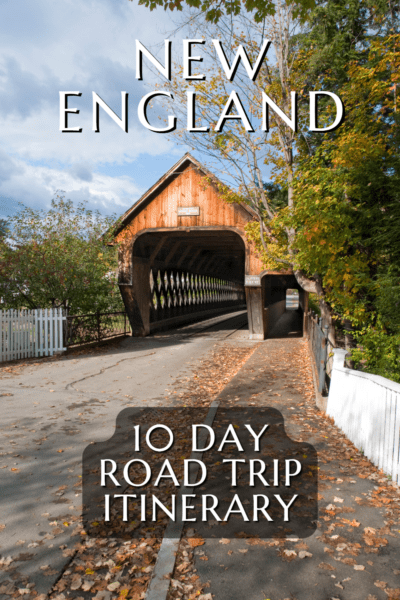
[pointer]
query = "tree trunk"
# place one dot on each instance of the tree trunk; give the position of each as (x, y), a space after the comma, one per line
(313, 286)
(349, 341)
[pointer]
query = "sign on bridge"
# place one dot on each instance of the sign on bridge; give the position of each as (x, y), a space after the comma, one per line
(252, 281)
(188, 211)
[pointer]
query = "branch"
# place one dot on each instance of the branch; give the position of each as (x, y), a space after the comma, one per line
(308, 285)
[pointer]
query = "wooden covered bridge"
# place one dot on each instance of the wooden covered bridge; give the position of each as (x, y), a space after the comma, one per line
(184, 257)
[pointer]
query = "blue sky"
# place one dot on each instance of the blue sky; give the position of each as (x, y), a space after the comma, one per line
(47, 47)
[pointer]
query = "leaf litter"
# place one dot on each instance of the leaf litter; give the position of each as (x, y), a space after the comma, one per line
(111, 569)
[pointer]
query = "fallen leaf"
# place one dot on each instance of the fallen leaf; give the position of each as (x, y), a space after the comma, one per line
(326, 567)
(194, 542)
(393, 594)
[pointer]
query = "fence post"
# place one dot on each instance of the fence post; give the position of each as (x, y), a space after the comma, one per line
(65, 332)
(322, 364)
(98, 326)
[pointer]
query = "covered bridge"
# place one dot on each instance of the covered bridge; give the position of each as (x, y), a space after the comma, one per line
(184, 257)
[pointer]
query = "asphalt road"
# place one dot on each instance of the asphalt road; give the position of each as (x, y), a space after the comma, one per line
(52, 410)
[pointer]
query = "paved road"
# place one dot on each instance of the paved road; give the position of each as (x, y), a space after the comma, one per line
(56, 408)
(52, 410)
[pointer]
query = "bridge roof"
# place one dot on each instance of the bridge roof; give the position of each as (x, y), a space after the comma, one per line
(177, 169)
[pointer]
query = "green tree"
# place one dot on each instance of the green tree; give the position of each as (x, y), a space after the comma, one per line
(347, 209)
(59, 258)
(240, 152)
(4, 229)
(214, 11)
(338, 226)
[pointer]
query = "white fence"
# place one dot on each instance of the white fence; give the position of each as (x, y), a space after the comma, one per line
(367, 409)
(28, 333)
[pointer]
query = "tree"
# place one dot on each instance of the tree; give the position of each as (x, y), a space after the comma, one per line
(3, 228)
(214, 11)
(59, 258)
(338, 227)
(242, 148)
(347, 211)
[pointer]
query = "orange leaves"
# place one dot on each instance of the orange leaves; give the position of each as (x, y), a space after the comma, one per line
(354, 523)
(371, 539)
(194, 542)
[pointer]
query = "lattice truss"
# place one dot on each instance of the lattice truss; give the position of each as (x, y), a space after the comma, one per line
(174, 289)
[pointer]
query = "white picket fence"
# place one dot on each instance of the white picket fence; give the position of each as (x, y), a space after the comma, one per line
(31, 333)
(367, 409)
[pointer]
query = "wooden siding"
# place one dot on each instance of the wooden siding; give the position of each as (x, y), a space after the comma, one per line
(159, 211)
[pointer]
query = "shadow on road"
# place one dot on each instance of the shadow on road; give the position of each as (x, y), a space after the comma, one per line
(289, 325)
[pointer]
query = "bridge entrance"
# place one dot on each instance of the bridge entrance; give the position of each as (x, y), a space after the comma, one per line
(285, 304)
(184, 256)
(182, 276)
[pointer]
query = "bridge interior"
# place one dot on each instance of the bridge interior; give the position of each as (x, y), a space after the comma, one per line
(184, 276)
(284, 314)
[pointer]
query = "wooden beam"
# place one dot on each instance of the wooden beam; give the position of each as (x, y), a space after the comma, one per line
(184, 255)
(209, 263)
(157, 248)
(171, 253)
(195, 255)
(198, 267)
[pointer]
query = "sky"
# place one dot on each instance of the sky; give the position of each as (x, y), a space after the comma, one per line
(48, 47)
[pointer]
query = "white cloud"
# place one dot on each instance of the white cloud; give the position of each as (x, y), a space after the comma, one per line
(35, 186)
(47, 47)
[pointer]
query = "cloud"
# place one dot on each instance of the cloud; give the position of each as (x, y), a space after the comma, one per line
(82, 172)
(73, 45)
(36, 186)
(9, 167)
(21, 92)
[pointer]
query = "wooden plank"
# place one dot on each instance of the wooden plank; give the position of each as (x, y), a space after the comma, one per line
(184, 255)
(255, 310)
(210, 262)
(157, 248)
(171, 253)
(50, 324)
(194, 257)
(396, 445)
(198, 267)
